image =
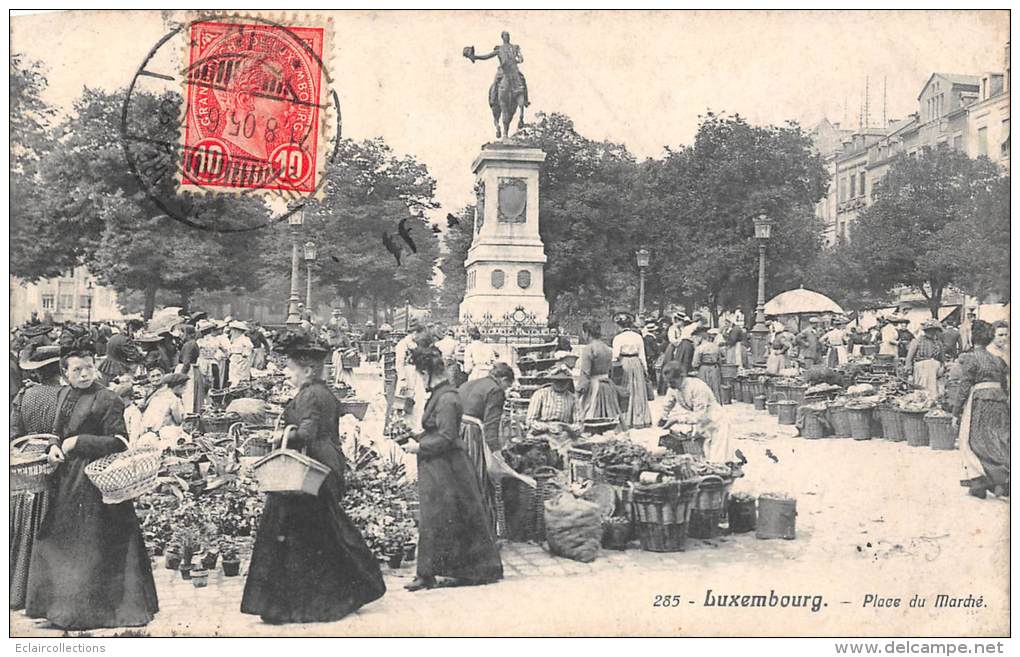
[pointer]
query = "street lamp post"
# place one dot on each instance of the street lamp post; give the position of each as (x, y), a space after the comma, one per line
(91, 285)
(760, 332)
(295, 220)
(309, 259)
(643, 258)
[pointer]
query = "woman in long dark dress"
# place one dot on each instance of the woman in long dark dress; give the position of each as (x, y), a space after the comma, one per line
(982, 410)
(310, 563)
(89, 564)
(455, 538)
(32, 411)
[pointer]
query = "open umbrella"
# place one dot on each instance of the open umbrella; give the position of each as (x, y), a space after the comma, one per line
(801, 302)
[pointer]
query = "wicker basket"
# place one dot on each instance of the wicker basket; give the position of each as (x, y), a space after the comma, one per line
(29, 465)
(839, 418)
(914, 428)
(661, 516)
(860, 423)
(814, 427)
(941, 432)
(289, 471)
(892, 423)
(709, 508)
(693, 444)
(126, 475)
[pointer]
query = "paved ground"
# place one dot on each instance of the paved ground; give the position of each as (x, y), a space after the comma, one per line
(874, 518)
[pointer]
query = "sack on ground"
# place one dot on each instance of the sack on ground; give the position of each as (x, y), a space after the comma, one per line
(573, 527)
(251, 411)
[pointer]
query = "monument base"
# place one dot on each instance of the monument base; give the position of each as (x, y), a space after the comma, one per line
(481, 308)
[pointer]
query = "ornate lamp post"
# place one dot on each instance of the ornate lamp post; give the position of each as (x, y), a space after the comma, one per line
(760, 332)
(295, 220)
(643, 258)
(309, 259)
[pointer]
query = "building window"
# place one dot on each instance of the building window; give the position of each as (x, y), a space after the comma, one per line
(47, 302)
(982, 141)
(84, 301)
(853, 186)
(863, 193)
(498, 278)
(66, 301)
(1004, 146)
(958, 143)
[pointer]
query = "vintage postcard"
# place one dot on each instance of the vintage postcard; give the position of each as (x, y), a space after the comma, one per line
(511, 324)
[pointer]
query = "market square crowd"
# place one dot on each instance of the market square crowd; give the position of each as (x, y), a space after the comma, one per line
(96, 391)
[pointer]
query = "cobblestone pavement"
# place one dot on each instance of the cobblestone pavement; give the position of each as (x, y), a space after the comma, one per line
(874, 517)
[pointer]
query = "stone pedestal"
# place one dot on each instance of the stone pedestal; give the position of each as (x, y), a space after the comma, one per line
(506, 261)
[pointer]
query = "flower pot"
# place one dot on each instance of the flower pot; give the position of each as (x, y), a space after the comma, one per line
(185, 571)
(200, 578)
(173, 561)
(410, 551)
(209, 560)
(231, 567)
(394, 560)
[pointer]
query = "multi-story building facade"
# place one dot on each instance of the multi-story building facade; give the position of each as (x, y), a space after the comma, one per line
(969, 113)
(73, 297)
(828, 139)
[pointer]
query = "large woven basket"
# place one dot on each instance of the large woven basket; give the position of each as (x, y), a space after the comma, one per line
(126, 475)
(29, 465)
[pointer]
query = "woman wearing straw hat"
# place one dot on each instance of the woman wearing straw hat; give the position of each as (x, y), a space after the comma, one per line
(310, 563)
(90, 568)
(32, 411)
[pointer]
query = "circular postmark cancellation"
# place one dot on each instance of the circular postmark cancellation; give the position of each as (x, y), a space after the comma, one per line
(249, 111)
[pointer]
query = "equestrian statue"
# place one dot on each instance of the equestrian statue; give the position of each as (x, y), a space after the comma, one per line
(509, 90)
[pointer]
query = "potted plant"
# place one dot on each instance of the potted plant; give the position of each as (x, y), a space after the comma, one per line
(230, 560)
(210, 557)
(173, 557)
(200, 578)
(185, 571)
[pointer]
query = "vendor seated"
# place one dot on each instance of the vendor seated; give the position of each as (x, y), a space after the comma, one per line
(554, 408)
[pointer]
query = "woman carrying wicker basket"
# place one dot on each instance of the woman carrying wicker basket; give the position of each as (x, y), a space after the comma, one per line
(310, 563)
(456, 539)
(89, 566)
(32, 412)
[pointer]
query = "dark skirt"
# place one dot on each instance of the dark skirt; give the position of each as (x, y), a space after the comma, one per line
(456, 536)
(711, 374)
(989, 435)
(89, 564)
(27, 513)
(310, 563)
(474, 447)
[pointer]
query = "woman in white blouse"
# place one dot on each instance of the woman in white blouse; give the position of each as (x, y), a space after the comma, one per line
(629, 352)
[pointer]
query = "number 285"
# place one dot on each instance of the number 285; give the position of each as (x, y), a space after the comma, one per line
(666, 601)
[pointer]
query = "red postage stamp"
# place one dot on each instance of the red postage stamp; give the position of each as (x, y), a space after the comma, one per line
(253, 107)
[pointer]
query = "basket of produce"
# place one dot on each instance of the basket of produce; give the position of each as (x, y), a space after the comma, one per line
(29, 465)
(545, 487)
(580, 466)
(662, 513)
(915, 430)
(709, 508)
(616, 532)
(289, 471)
(729, 371)
(350, 359)
(941, 432)
(683, 443)
(125, 475)
(814, 418)
(356, 407)
(859, 411)
(217, 421)
(839, 419)
(892, 423)
(255, 441)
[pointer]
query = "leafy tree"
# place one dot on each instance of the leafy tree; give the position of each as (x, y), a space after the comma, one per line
(703, 200)
(922, 207)
(981, 256)
(366, 193)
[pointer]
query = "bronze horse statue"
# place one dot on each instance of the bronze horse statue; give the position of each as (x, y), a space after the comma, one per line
(509, 91)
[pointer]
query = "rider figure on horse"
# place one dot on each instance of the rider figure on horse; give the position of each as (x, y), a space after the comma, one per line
(509, 55)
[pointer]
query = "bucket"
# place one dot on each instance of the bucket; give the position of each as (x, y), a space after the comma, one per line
(728, 371)
(745, 392)
(892, 424)
(860, 423)
(709, 509)
(839, 418)
(787, 412)
(726, 395)
(777, 518)
(741, 511)
(814, 428)
(914, 428)
(759, 402)
(941, 432)
(773, 407)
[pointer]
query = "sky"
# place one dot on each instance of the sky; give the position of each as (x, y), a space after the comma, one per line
(637, 78)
